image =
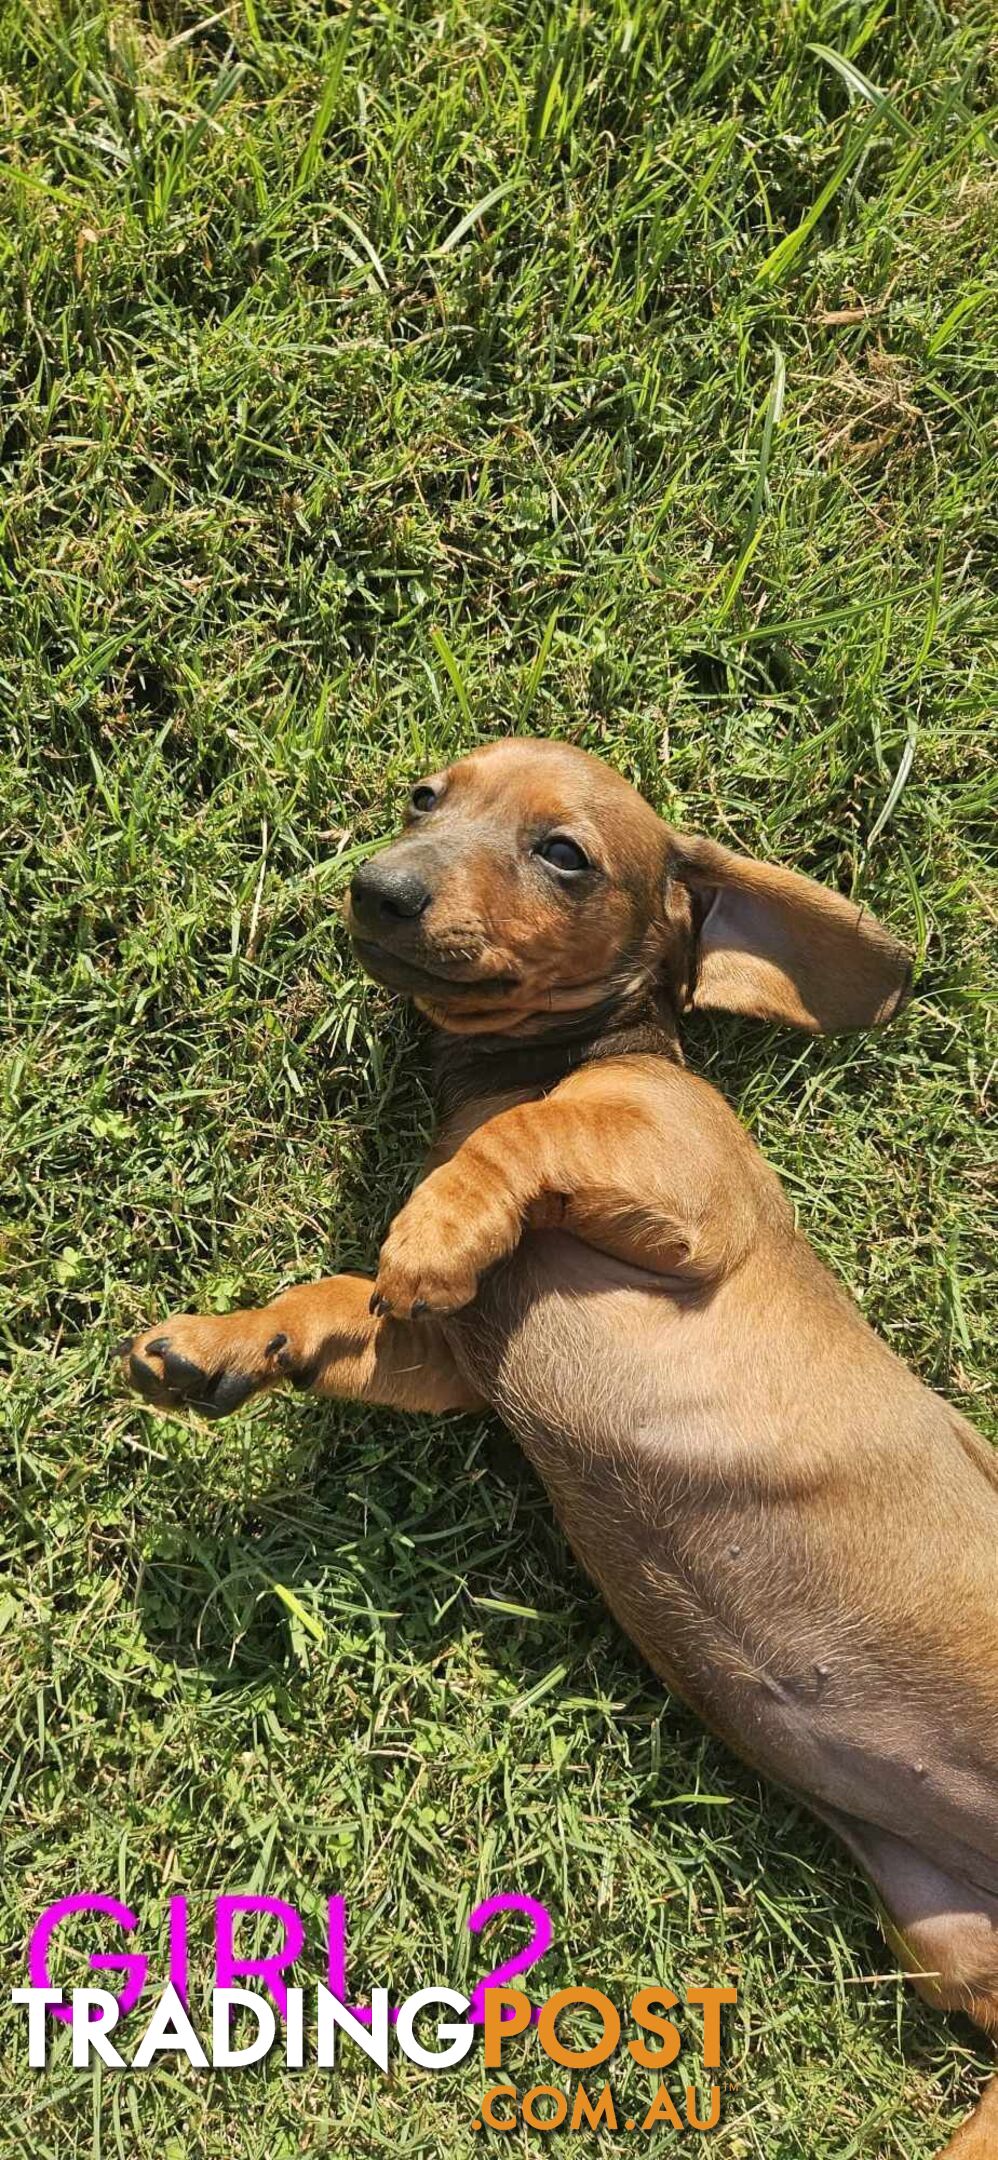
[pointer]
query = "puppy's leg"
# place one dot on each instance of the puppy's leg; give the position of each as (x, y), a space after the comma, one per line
(320, 1336)
(945, 1934)
(633, 1156)
(977, 2138)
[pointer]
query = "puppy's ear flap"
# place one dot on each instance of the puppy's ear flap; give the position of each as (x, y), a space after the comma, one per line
(774, 944)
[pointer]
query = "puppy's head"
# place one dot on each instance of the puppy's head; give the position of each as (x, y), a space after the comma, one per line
(532, 884)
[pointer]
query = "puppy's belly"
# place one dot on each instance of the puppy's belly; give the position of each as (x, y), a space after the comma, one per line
(773, 1580)
(563, 1334)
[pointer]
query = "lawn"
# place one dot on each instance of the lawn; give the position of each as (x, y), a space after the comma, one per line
(376, 382)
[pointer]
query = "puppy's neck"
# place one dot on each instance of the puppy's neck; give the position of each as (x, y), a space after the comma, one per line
(468, 1068)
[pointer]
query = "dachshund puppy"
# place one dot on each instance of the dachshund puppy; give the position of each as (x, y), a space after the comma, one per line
(799, 1536)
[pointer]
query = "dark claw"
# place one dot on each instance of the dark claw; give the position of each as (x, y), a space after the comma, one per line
(182, 1375)
(227, 1395)
(276, 1343)
(159, 1347)
(420, 1306)
(210, 1397)
(149, 1383)
(122, 1348)
(379, 1305)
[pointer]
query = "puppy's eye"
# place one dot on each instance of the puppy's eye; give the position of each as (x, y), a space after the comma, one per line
(562, 854)
(423, 797)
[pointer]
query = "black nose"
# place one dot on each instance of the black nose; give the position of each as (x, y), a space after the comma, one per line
(381, 891)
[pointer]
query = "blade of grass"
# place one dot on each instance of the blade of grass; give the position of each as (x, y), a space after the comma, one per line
(447, 655)
(309, 160)
(780, 262)
(472, 217)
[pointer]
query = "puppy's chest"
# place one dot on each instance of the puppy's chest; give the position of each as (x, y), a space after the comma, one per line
(565, 1342)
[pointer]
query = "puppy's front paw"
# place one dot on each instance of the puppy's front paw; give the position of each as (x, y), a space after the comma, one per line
(410, 1282)
(438, 1248)
(208, 1362)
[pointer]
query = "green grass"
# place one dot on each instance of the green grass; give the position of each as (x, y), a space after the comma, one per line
(314, 471)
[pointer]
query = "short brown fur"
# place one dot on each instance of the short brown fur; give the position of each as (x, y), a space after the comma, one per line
(800, 1537)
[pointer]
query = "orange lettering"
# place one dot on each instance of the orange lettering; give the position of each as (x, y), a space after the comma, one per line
(499, 2028)
(594, 2112)
(584, 2057)
(711, 1998)
(544, 2122)
(715, 2109)
(498, 2092)
(662, 2109)
(652, 2021)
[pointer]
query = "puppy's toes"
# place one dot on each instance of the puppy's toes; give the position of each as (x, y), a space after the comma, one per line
(210, 1363)
(405, 1290)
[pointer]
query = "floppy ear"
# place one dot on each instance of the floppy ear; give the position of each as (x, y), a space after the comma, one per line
(774, 944)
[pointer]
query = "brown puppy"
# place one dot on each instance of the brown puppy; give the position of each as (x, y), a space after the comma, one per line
(799, 1536)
